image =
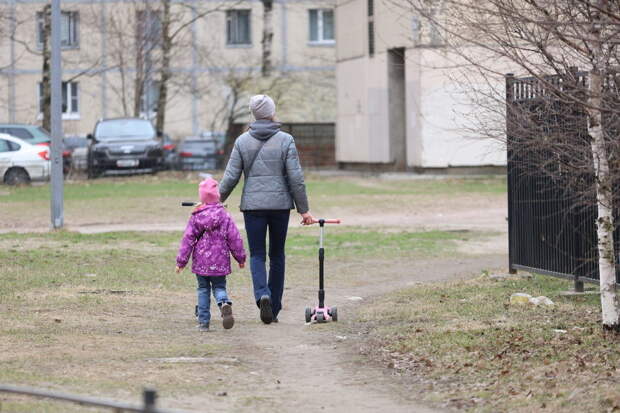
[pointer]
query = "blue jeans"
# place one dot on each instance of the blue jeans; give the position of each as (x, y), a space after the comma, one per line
(205, 284)
(256, 225)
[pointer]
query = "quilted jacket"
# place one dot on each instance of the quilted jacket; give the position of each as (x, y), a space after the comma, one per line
(210, 237)
(276, 180)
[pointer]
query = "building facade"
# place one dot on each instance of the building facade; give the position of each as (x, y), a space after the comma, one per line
(398, 104)
(112, 59)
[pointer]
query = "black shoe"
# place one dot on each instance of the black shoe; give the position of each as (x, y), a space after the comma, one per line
(266, 312)
(227, 317)
(203, 326)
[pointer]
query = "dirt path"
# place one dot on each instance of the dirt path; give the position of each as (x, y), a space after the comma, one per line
(294, 367)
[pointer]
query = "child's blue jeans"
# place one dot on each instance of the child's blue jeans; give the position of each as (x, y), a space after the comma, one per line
(205, 285)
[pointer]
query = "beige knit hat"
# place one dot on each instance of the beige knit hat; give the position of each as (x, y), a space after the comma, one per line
(262, 107)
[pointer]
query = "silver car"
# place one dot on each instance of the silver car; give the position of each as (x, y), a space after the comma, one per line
(22, 162)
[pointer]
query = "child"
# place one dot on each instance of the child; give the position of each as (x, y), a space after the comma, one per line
(211, 235)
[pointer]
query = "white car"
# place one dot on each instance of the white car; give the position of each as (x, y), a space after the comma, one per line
(22, 162)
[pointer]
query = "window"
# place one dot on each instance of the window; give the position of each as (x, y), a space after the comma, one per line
(321, 25)
(20, 133)
(8, 146)
(150, 99)
(148, 29)
(70, 101)
(238, 27)
(68, 29)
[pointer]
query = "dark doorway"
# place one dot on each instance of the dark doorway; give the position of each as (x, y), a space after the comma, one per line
(397, 107)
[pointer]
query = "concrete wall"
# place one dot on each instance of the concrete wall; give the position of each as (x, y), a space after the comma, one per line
(435, 109)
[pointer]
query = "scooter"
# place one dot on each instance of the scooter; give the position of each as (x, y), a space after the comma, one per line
(322, 313)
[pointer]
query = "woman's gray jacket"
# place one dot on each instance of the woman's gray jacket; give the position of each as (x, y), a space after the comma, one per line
(276, 180)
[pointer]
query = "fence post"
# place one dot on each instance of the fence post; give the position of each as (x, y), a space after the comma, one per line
(509, 115)
(578, 285)
(149, 397)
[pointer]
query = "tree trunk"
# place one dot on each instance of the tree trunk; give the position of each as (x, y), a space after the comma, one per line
(267, 41)
(604, 197)
(46, 98)
(138, 85)
(165, 67)
(141, 50)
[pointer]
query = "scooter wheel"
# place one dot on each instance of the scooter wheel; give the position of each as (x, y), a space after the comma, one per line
(334, 313)
(308, 314)
(320, 317)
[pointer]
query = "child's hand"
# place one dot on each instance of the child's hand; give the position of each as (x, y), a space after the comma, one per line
(179, 269)
(242, 265)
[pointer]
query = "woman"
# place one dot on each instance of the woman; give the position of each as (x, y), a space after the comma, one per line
(273, 185)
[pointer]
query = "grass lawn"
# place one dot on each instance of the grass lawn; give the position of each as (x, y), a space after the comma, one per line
(88, 313)
(153, 200)
(468, 348)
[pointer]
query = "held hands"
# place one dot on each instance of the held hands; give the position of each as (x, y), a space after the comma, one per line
(307, 219)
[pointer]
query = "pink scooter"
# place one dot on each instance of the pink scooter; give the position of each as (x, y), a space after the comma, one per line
(322, 313)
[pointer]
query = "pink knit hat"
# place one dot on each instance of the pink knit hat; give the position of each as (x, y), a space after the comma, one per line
(209, 191)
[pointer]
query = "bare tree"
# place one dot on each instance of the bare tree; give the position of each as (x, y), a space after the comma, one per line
(235, 85)
(539, 38)
(174, 25)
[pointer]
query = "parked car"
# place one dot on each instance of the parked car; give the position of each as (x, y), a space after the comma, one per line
(30, 133)
(34, 135)
(21, 161)
(124, 145)
(198, 154)
(77, 146)
(170, 151)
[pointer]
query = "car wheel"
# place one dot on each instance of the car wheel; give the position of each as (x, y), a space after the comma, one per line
(16, 176)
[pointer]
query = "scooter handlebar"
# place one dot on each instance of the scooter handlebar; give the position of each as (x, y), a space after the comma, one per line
(327, 221)
(188, 204)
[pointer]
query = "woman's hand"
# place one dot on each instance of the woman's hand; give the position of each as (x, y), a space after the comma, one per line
(179, 269)
(307, 219)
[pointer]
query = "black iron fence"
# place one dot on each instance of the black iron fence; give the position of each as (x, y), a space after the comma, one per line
(149, 400)
(551, 212)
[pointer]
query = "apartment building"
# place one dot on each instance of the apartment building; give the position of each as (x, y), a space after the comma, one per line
(112, 55)
(398, 104)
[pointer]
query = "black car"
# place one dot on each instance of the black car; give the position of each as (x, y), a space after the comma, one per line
(124, 145)
(197, 154)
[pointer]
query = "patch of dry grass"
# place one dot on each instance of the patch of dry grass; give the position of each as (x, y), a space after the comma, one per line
(466, 347)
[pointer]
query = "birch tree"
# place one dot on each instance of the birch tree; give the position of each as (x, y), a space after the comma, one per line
(539, 38)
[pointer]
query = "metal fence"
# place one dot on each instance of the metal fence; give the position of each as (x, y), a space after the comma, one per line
(149, 400)
(551, 224)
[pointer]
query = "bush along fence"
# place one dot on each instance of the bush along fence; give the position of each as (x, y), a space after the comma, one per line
(149, 400)
(552, 205)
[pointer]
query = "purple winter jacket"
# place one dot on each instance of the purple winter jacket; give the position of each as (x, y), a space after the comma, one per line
(211, 235)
